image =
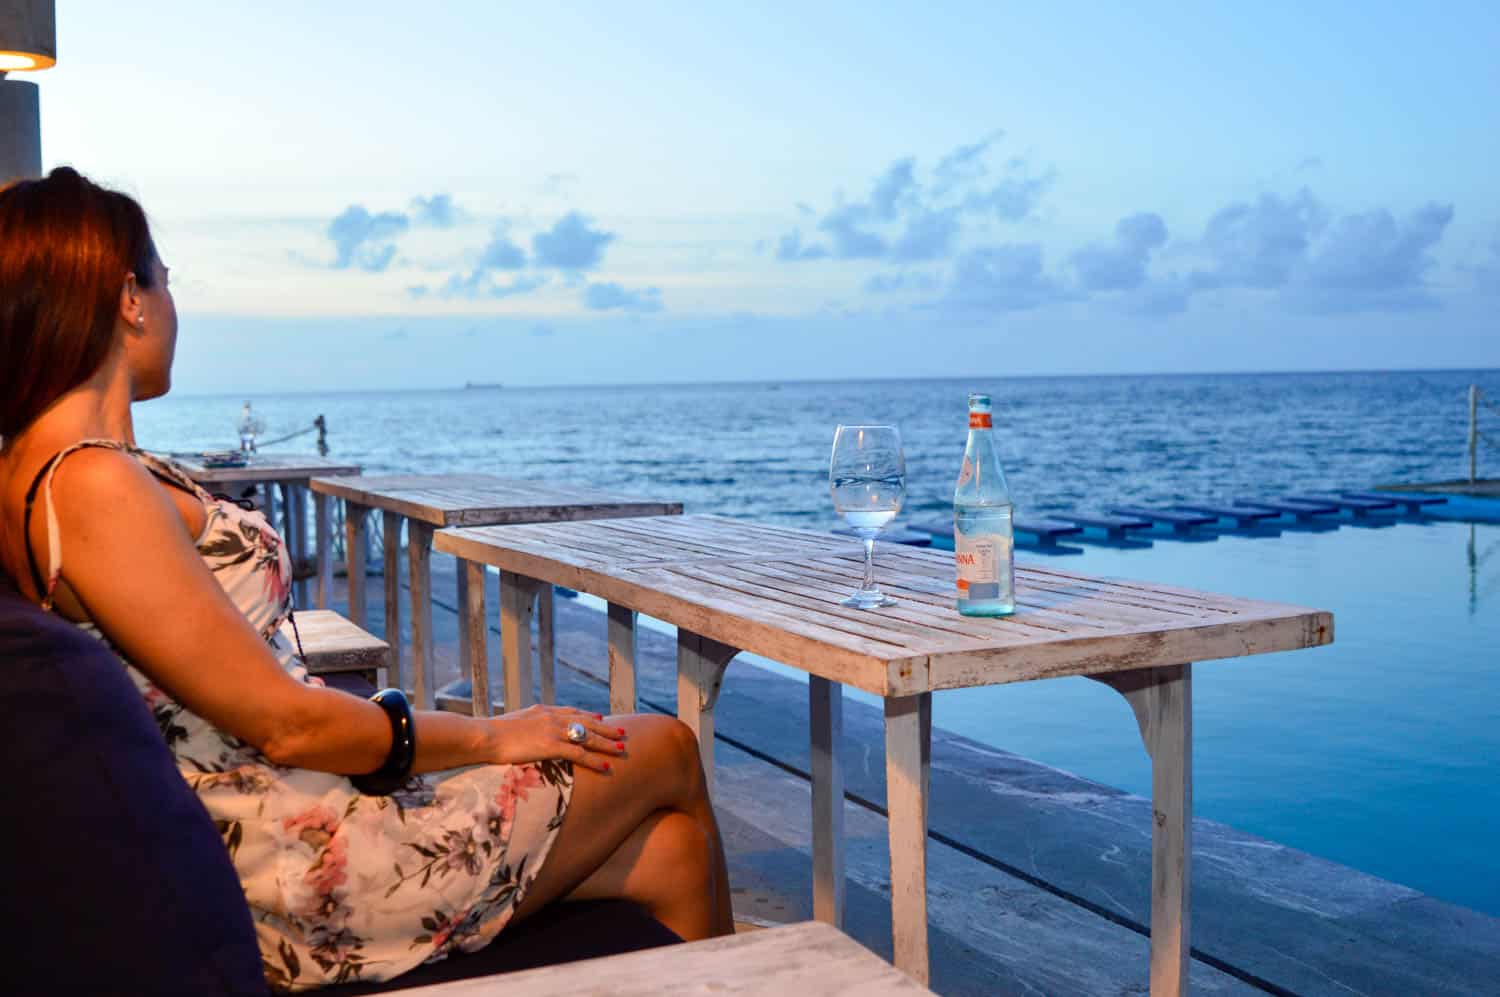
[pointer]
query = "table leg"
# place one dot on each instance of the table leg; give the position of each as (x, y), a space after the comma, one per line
(1162, 699)
(517, 604)
(390, 531)
(546, 646)
(461, 586)
(908, 756)
(700, 673)
(621, 659)
(419, 570)
(296, 506)
(474, 625)
(826, 708)
(324, 540)
(354, 562)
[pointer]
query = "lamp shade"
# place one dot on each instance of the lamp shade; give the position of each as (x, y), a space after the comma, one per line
(20, 132)
(28, 35)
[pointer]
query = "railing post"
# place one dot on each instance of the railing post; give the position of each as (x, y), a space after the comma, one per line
(1473, 433)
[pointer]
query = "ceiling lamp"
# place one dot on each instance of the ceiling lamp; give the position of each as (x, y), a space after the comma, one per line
(28, 42)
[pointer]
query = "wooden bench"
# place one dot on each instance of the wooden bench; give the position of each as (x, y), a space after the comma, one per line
(1413, 504)
(1239, 514)
(809, 959)
(332, 644)
(1181, 522)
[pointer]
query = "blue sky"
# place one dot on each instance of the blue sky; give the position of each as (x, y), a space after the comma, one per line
(601, 193)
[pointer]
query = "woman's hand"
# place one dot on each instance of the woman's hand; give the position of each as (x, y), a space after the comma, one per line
(539, 732)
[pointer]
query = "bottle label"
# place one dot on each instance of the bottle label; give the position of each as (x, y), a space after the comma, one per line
(979, 558)
(980, 420)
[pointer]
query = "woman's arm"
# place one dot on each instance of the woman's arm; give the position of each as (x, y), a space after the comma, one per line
(129, 560)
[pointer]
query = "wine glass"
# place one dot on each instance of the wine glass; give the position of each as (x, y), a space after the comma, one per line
(867, 477)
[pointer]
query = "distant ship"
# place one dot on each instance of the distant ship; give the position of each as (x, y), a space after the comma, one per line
(482, 386)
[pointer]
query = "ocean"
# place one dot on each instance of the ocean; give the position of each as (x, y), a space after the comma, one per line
(761, 450)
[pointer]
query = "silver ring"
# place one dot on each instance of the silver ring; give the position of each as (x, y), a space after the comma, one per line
(577, 733)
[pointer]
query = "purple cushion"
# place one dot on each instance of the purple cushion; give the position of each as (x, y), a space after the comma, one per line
(115, 879)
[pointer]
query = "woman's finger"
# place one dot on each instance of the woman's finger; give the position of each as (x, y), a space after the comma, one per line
(579, 755)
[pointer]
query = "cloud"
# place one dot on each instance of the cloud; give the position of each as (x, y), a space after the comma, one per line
(1292, 245)
(1259, 245)
(1001, 278)
(570, 244)
(964, 165)
(606, 297)
(905, 219)
(885, 283)
(363, 240)
(1014, 198)
(480, 284)
(790, 248)
(437, 211)
(1121, 266)
(502, 254)
(1372, 261)
(850, 242)
(929, 235)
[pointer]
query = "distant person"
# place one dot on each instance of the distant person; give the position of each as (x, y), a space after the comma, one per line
(344, 883)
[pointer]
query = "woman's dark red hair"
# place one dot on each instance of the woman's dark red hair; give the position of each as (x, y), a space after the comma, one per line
(66, 247)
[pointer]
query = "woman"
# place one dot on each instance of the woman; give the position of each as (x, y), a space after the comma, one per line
(514, 812)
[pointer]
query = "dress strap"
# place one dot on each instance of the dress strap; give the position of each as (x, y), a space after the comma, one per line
(43, 483)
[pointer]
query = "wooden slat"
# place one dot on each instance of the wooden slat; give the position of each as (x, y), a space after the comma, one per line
(289, 468)
(806, 960)
(354, 561)
(908, 761)
(390, 527)
(331, 643)
(477, 499)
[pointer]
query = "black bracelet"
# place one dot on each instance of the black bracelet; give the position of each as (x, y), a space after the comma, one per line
(397, 768)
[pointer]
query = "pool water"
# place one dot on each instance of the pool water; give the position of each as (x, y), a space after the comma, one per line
(1381, 751)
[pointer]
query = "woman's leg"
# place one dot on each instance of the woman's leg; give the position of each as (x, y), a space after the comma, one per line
(623, 835)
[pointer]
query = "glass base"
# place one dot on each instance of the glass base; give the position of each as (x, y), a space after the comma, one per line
(867, 599)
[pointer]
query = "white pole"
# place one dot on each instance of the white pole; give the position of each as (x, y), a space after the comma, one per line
(1473, 432)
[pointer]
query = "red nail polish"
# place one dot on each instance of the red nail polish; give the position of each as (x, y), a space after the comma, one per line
(619, 745)
(598, 716)
(606, 766)
(620, 731)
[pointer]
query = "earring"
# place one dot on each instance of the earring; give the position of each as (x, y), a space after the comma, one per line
(140, 320)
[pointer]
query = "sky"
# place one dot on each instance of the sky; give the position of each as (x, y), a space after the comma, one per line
(384, 195)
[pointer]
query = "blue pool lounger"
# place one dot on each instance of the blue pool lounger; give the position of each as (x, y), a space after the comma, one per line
(1181, 522)
(1412, 503)
(1045, 530)
(1301, 510)
(1241, 515)
(1359, 507)
(1113, 526)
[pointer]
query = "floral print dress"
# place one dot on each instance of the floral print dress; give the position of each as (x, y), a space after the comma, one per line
(342, 886)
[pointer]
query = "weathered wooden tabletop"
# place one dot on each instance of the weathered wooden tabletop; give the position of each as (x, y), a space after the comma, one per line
(775, 592)
(461, 499)
(277, 467)
(808, 959)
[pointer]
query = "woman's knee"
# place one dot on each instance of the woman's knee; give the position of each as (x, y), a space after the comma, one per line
(670, 747)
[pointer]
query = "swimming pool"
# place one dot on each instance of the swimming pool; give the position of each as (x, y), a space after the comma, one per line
(1379, 751)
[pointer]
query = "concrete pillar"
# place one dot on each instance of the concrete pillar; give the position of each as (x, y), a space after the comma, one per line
(20, 131)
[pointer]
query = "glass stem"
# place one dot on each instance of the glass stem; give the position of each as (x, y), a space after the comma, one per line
(869, 564)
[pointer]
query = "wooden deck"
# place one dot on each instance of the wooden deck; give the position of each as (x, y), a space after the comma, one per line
(1039, 879)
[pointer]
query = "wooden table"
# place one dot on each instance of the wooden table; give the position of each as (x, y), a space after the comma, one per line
(434, 501)
(807, 959)
(731, 586)
(291, 473)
